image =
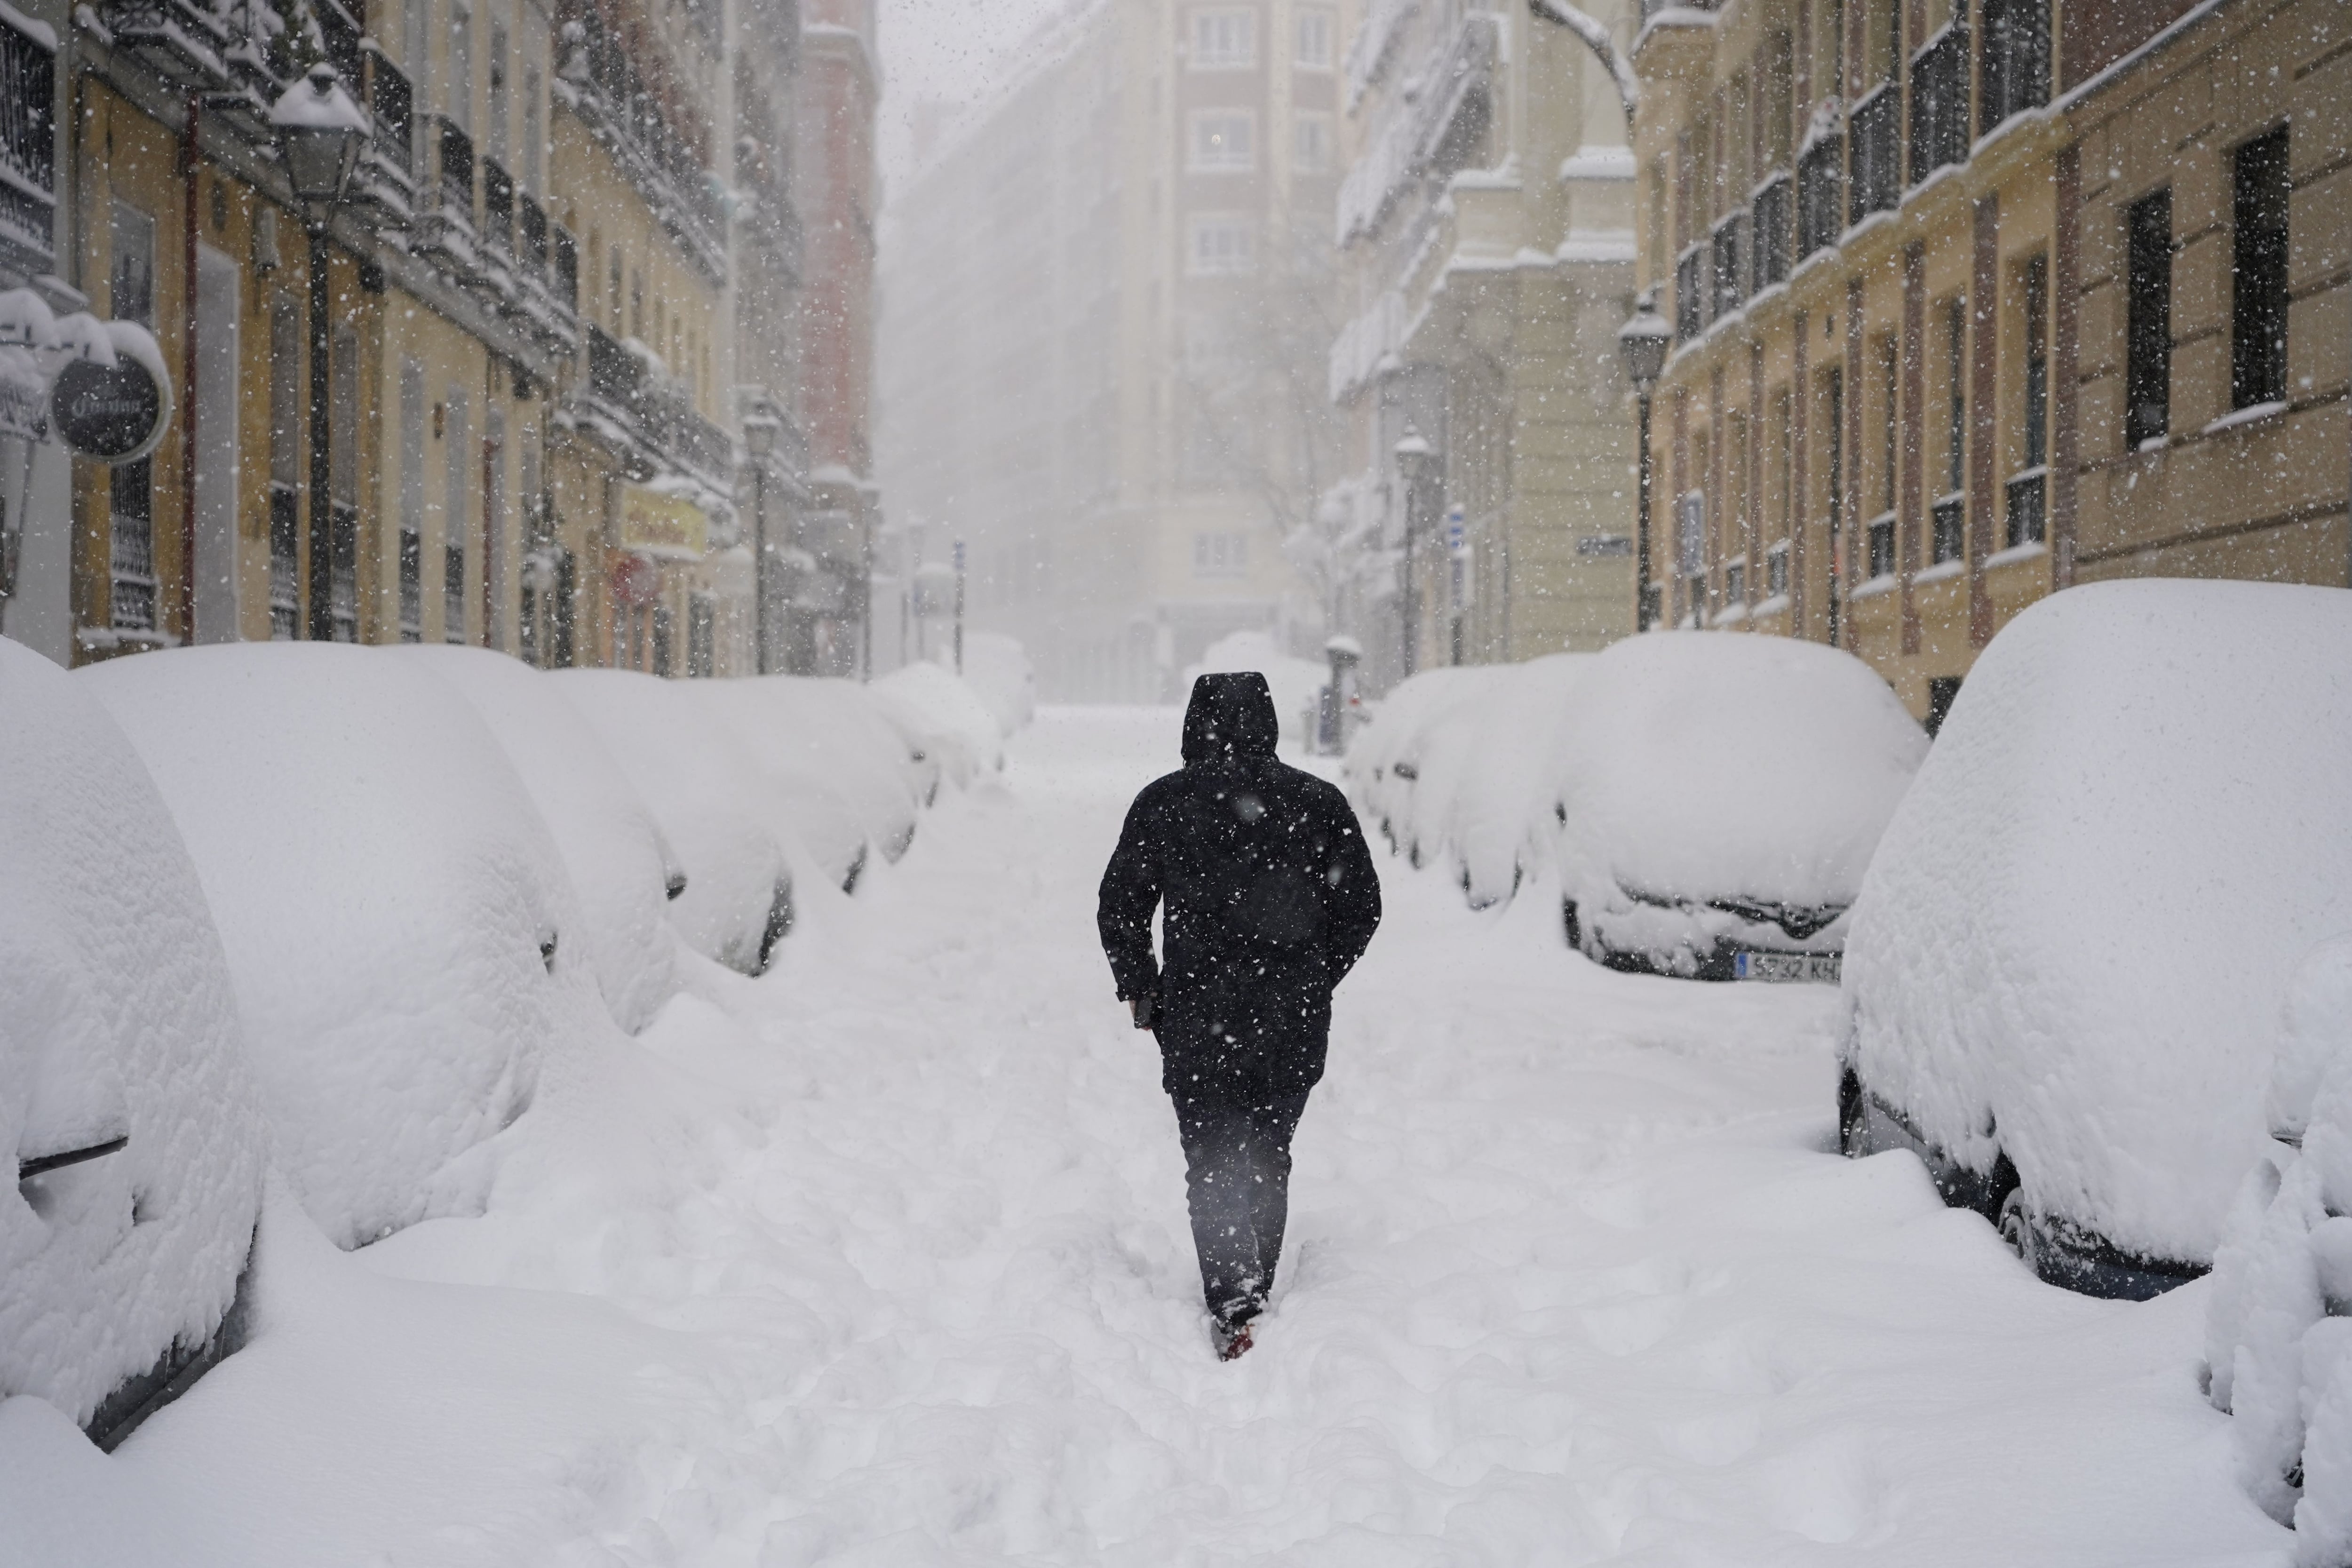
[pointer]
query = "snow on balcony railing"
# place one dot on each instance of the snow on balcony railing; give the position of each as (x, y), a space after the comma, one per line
(1417, 123)
(1368, 56)
(1378, 176)
(1363, 343)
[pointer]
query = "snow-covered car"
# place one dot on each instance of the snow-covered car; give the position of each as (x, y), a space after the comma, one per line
(1387, 757)
(736, 904)
(393, 909)
(834, 769)
(1719, 798)
(621, 867)
(2070, 953)
(1498, 813)
(123, 1092)
(2278, 1348)
(956, 727)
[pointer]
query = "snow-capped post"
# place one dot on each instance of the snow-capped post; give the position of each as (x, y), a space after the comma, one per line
(1414, 459)
(760, 428)
(1595, 37)
(959, 606)
(320, 133)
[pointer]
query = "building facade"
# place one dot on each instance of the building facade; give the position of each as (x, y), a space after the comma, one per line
(1977, 299)
(1488, 230)
(545, 286)
(1108, 307)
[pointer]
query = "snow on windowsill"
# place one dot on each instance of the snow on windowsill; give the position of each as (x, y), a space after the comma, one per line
(97, 637)
(1941, 572)
(2253, 414)
(1873, 588)
(1730, 616)
(2031, 550)
(1597, 164)
(1601, 245)
(1777, 604)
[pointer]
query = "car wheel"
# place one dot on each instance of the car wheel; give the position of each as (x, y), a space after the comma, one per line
(1849, 1115)
(2016, 1231)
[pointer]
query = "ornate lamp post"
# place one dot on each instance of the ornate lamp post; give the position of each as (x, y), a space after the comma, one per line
(1416, 462)
(320, 134)
(760, 440)
(1642, 343)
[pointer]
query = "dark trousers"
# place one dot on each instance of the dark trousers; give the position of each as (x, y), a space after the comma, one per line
(1237, 1176)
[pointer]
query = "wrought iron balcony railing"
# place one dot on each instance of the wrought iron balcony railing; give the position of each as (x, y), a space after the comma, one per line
(1692, 291)
(1875, 129)
(28, 141)
(2013, 60)
(1768, 233)
(1728, 243)
(1939, 103)
(1821, 194)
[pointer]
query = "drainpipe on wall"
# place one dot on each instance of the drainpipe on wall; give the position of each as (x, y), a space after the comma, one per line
(189, 151)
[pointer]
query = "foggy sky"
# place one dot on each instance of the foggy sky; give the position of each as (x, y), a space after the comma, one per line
(944, 50)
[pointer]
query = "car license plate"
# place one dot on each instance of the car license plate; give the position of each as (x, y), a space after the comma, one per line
(1817, 968)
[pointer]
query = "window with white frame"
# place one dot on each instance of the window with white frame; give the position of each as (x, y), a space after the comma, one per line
(1223, 142)
(1220, 244)
(1310, 143)
(1312, 48)
(1221, 556)
(1224, 39)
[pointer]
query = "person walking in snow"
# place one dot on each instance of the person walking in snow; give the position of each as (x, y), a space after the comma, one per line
(1270, 898)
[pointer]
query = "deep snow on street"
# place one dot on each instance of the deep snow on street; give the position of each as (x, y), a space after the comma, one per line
(881, 1260)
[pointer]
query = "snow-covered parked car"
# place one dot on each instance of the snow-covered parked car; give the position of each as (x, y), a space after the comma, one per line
(1719, 798)
(2070, 953)
(1499, 813)
(835, 770)
(1387, 756)
(123, 1092)
(955, 726)
(2279, 1320)
(621, 867)
(392, 909)
(737, 904)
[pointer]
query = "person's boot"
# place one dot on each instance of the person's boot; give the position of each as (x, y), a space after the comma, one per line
(1231, 1339)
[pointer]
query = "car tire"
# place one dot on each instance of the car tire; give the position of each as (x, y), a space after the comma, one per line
(1852, 1109)
(2016, 1230)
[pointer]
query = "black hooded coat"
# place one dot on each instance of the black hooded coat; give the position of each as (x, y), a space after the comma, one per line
(1271, 898)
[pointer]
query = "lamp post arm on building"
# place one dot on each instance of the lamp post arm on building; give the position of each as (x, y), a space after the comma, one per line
(1595, 37)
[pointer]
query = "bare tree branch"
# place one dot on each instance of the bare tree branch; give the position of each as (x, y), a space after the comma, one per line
(1596, 37)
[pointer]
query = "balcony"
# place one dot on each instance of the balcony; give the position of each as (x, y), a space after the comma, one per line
(495, 258)
(186, 44)
(1877, 133)
(1728, 244)
(604, 85)
(29, 144)
(2013, 61)
(1692, 288)
(1768, 234)
(1939, 103)
(1457, 96)
(444, 230)
(1821, 193)
(383, 180)
(654, 413)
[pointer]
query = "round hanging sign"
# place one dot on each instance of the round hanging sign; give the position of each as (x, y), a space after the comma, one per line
(637, 582)
(108, 412)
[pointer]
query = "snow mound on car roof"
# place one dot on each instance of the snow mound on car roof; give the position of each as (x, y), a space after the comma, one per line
(1398, 733)
(1497, 822)
(707, 796)
(385, 891)
(619, 863)
(957, 725)
(117, 1018)
(1710, 765)
(2075, 937)
(835, 771)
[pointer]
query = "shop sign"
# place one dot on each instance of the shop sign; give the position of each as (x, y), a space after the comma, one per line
(24, 396)
(108, 412)
(637, 582)
(661, 523)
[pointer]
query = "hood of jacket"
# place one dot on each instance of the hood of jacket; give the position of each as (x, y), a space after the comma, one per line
(1231, 716)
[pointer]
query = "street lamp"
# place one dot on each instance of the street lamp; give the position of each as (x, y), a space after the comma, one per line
(320, 133)
(1415, 461)
(1642, 343)
(760, 440)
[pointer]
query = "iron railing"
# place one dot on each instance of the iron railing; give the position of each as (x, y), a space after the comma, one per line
(1768, 234)
(285, 566)
(130, 554)
(2013, 60)
(1820, 206)
(1948, 531)
(1692, 288)
(1939, 103)
(1876, 130)
(28, 139)
(2026, 520)
(1727, 244)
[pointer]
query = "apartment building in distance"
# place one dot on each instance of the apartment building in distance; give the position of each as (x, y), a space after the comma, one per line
(1977, 300)
(1106, 311)
(533, 347)
(1488, 227)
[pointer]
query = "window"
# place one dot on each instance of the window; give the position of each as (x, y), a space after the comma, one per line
(2258, 272)
(701, 637)
(1312, 51)
(1221, 245)
(1776, 570)
(412, 501)
(1219, 555)
(457, 480)
(1224, 141)
(286, 411)
(1956, 428)
(534, 141)
(2027, 492)
(460, 103)
(1881, 548)
(2147, 320)
(498, 92)
(1310, 143)
(1734, 583)
(1833, 481)
(1224, 39)
(2015, 60)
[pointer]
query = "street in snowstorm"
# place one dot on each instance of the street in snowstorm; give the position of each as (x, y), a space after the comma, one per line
(882, 1260)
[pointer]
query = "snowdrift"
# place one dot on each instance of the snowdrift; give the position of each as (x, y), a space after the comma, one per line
(393, 909)
(118, 1021)
(834, 770)
(2070, 953)
(621, 867)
